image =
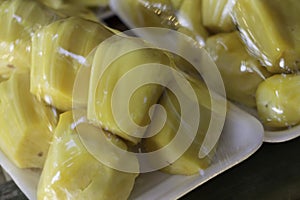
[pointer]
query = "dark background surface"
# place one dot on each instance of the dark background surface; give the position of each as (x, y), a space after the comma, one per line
(271, 173)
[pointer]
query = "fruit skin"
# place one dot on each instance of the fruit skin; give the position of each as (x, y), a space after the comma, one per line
(270, 28)
(105, 76)
(278, 101)
(241, 72)
(71, 172)
(189, 163)
(26, 124)
(58, 51)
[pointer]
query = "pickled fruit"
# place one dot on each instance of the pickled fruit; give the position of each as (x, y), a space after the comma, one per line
(176, 3)
(216, 15)
(189, 163)
(182, 16)
(151, 13)
(58, 51)
(241, 72)
(52, 3)
(71, 172)
(19, 19)
(89, 2)
(70, 10)
(278, 101)
(26, 123)
(189, 16)
(271, 31)
(105, 78)
(6, 70)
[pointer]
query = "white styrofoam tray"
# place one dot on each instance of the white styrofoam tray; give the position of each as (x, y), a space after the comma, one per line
(242, 136)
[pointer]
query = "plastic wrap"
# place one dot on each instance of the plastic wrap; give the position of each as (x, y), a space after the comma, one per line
(277, 99)
(234, 147)
(265, 43)
(241, 73)
(111, 91)
(68, 41)
(26, 124)
(71, 172)
(182, 16)
(18, 25)
(271, 32)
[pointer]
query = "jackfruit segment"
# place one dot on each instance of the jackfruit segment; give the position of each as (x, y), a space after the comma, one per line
(216, 15)
(176, 3)
(94, 3)
(189, 163)
(4, 74)
(52, 3)
(105, 76)
(71, 10)
(241, 72)
(6, 70)
(58, 51)
(182, 16)
(189, 16)
(271, 31)
(19, 19)
(150, 13)
(2, 79)
(71, 172)
(26, 123)
(278, 101)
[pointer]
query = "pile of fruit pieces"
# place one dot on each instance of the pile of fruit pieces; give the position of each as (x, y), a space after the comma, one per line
(255, 44)
(43, 45)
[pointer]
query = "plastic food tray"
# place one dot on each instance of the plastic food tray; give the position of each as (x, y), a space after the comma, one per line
(242, 136)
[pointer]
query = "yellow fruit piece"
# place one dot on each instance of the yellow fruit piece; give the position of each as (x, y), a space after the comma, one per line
(58, 51)
(216, 15)
(6, 70)
(278, 101)
(52, 3)
(19, 19)
(89, 2)
(270, 28)
(241, 72)
(105, 76)
(189, 163)
(176, 3)
(182, 16)
(71, 172)
(190, 17)
(74, 10)
(26, 123)
(150, 13)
